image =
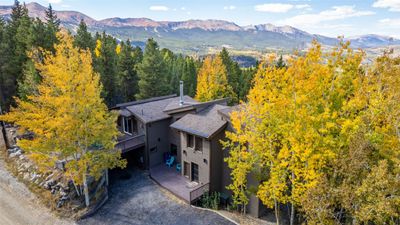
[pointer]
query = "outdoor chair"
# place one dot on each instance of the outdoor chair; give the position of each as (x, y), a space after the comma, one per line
(170, 162)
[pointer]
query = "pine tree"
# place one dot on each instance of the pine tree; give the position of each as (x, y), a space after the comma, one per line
(15, 45)
(83, 39)
(52, 27)
(152, 73)
(3, 76)
(127, 62)
(189, 76)
(105, 63)
(233, 72)
(68, 117)
(280, 63)
(212, 81)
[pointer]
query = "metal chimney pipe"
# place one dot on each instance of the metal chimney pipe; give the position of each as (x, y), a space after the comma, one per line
(181, 93)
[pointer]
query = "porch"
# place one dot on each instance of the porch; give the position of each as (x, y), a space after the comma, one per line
(177, 184)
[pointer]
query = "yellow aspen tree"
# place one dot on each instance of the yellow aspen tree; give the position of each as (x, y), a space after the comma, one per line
(291, 122)
(118, 49)
(68, 117)
(97, 50)
(212, 81)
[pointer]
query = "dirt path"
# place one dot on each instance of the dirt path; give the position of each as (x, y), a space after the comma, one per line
(18, 206)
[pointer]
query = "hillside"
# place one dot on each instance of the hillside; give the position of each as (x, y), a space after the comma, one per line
(201, 36)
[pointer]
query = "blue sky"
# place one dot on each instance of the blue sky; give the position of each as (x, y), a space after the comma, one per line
(326, 17)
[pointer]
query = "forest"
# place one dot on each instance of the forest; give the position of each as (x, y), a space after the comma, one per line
(127, 72)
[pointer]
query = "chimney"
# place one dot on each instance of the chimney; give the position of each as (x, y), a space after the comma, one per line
(181, 93)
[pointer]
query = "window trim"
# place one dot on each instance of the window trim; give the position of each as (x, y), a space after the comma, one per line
(187, 140)
(196, 138)
(124, 121)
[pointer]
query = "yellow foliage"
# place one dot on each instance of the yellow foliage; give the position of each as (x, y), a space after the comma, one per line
(118, 49)
(68, 117)
(212, 81)
(97, 50)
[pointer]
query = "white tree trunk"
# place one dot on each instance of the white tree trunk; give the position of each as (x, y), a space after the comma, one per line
(86, 190)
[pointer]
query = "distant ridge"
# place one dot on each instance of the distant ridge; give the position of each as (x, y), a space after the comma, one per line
(201, 36)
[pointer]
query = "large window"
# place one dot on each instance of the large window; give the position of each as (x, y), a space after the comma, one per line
(129, 125)
(190, 140)
(198, 144)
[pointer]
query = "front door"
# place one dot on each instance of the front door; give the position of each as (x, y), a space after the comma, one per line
(186, 169)
(195, 172)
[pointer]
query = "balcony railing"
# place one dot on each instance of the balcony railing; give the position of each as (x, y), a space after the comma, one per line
(198, 192)
(128, 143)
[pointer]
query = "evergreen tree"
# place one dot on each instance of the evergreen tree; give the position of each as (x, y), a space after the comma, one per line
(189, 76)
(52, 26)
(3, 61)
(280, 63)
(127, 62)
(152, 73)
(105, 63)
(15, 46)
(28, 85)
(83, 39)
(233, 71)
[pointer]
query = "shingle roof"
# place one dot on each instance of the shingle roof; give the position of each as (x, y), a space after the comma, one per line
(204, 124)
(227, 111)
(153, 109)
(187, 102)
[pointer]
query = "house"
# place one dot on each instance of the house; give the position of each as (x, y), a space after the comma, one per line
(189, 131)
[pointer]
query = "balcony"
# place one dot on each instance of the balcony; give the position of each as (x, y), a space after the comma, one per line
(130, 142)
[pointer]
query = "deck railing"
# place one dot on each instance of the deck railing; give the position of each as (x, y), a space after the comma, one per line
(125, 144)
(198, 192)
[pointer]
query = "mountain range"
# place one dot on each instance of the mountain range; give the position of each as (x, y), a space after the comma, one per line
(203, 36)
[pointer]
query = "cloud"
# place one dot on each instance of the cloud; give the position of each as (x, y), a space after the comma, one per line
(303, 6)
(183, 8)
(273, 7)
(280, 7)
(66, 6)
(159, 8)
(230, 7)
(393, 5)
(335, 13)
(390, 22)
(54, 1)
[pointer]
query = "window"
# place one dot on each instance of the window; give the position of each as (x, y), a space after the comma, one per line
(128, 128)
(198, 144)
(195, 172)
(190, 140)
(130, 125)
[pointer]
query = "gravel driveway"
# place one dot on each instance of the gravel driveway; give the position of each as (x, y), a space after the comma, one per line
(135, 199)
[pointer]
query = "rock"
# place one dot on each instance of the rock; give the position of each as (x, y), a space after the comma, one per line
(60, 203)
(22, 157)
(26, 176)
(49, 184)
(15, 154)
(12, 150)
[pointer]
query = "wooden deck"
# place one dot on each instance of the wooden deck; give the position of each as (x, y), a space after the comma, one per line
(173, 181)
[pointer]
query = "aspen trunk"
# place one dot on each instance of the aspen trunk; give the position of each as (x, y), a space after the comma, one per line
(292, 214)
(277, 216)
(86, 190)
